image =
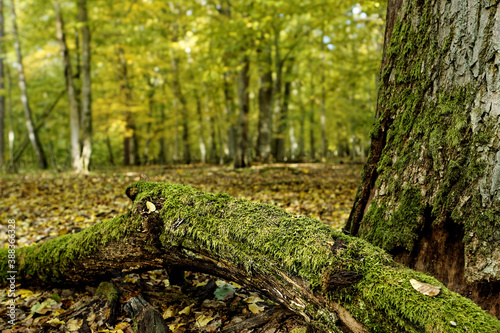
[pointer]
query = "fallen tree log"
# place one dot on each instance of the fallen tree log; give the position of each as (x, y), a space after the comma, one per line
(336, 282)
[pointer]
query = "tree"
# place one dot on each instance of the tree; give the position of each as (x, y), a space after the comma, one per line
(430, 193)
(74, 114)
(86, 87)
(2, 87)
(32, 132)
(337, 282)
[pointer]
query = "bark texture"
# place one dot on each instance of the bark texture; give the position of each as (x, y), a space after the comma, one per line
(430, 193)
(32, 132)
(74, 114)
(336, 282)
(86, 87)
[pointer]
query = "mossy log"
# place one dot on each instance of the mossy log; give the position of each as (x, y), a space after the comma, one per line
(336, 282)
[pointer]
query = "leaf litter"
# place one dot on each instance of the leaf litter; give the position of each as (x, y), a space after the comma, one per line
(46, 205)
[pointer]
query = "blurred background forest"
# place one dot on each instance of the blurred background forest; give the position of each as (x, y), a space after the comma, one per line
(145, 82)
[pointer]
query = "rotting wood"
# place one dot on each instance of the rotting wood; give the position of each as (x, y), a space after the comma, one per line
(256, 245)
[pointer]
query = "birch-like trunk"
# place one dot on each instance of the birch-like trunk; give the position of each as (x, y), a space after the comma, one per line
(86, 113)
(241, 158)
(32, 133)
(430, 193)
(74, 115)
(2, 88)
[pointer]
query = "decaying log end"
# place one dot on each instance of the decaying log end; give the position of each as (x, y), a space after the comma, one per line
(334, 280)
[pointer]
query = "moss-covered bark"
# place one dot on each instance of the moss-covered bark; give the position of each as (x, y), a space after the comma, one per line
(434, 159)
(331, 279)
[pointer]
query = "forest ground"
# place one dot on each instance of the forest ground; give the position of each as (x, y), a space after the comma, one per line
(47, 205)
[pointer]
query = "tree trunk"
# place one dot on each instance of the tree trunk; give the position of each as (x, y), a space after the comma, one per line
(86, 113)
(265, 129)
(241, 156)
(149, 121)
(312, 122)
(324, 140)
(12, 164)
(74, 119)
(336, 282)
(430, 193)
(201, 132)
(229, 112)
(32, 132)
(183, 105)
(283, 115)
(2, 88)
(130, 149)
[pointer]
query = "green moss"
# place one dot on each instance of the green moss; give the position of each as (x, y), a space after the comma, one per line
(109, 291)
(429, 132)
(254, 235)
(398, 229)
(50, 261)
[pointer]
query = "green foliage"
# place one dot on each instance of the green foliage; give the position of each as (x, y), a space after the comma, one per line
(341, 42)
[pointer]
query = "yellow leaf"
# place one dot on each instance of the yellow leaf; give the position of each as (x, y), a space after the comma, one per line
(56, 321)
(121, 325)
(174, 327)
(253, 299)
(254, 308)
(168, 313)
(203, 321)
(24, 293)
(74, 325)
(79, 219)
(186, 310)
(425, 288)
(151, 206)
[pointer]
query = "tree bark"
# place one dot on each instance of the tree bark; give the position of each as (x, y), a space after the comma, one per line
(2, 87)
(130, 149)
(86, 113)
(176, 83)
(265, 126)
(32, 132)
(241, 157)
(430, 193)
(74, 114)
(336, 282)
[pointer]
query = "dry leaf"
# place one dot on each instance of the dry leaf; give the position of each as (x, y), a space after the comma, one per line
(253, 299)
(151, 206)
(203, 321)
(186, 310)
(254, 308)
(174, 327)
(168, 313)
(74, 324)
(425, 288)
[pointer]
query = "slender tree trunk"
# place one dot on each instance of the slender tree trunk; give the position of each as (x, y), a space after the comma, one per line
(70, 90)
(283, 115)
(130, 149)
(86, 112)
(32, 133)
(162, 157)
(149, 122)
(201, 129)
(312, 122)
(11, 120)
(324, 140)
(183, 106)
(2, 87)
(241, 158)
(111, 158)
(229, 112)
(336, 282)
(265, 132)
(430, 192)
(277, 92)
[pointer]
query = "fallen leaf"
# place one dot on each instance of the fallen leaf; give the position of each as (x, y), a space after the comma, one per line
(174, 327)
(55, 321)
(186, 310)
(253, 299)
(425, 288)
(203, 321)
(74, 324)
(151, 206)
(169, 313)
(254, 308)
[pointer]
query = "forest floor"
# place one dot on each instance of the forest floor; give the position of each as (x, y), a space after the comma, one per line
(47, 205)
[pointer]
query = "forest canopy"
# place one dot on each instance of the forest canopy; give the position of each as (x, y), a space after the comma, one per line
(168, 86)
